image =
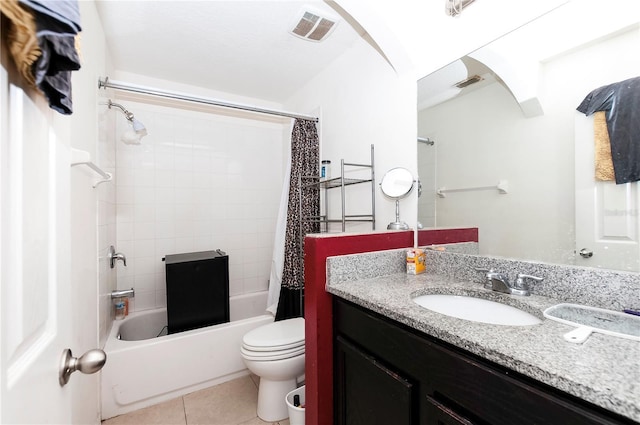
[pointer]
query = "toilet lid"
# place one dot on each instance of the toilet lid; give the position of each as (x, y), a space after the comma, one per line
(283, 334)
(272, 355)
(271, 349)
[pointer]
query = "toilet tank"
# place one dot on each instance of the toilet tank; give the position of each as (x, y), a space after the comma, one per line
(197, 290)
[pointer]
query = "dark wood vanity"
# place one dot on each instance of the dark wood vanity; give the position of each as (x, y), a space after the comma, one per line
(388, 373)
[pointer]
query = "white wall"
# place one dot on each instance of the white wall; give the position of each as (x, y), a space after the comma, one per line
(88, 323)
(429, 38)
(362, 102)
(199, 181)
(482, 137)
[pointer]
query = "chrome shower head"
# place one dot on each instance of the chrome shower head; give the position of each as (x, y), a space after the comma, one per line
(139, 130)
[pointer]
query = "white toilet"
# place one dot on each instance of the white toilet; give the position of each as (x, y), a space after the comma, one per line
(275, 352)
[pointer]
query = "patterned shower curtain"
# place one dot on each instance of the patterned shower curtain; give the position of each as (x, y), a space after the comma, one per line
(304, 201)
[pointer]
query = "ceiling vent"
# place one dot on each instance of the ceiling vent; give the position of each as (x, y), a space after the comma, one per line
(313, 27)
(467, 82)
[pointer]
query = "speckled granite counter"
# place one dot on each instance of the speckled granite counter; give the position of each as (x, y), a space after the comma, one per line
(605, 370)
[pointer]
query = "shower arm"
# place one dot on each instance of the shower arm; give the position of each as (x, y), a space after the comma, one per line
(127, 114)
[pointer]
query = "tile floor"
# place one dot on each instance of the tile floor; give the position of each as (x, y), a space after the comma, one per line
(231, 403)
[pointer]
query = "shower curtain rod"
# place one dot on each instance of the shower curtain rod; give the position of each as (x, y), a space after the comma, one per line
(117, 85)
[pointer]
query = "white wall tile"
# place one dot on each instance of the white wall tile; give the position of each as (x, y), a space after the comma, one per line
(202, 182)
(144, 230)
(124, 195)
(165, 229)
(125, 231)
(144, 247)
(165, 247)
(144, 282)
(145, 300)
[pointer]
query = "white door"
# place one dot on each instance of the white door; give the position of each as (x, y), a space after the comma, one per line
(35, 323)
(607, 215)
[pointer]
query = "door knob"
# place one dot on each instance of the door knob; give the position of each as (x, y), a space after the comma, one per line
(90, 362)
(585, 253)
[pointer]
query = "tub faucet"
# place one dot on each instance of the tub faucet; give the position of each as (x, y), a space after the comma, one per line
(115, 256)
(122, 293)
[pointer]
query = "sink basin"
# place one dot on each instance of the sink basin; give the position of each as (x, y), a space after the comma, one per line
(476, 310)
(592, 319)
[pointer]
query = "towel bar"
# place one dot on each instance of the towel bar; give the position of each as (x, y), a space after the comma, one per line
(80, 157)
(502, 187)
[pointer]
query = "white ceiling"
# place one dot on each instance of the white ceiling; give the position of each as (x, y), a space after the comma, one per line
(240, 47)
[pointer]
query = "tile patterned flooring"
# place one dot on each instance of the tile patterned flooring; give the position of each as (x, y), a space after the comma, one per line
(231, 403)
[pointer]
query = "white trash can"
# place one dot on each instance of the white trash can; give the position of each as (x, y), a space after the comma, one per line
(296, 414)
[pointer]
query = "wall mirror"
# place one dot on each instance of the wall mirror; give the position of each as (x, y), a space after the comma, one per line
(396, 184)
(507, 113)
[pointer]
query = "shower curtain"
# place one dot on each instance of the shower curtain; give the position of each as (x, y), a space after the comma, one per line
(287, 273)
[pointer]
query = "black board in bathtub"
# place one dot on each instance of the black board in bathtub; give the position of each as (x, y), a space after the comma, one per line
(197, 290)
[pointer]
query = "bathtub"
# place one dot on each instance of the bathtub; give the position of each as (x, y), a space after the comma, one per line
(143, 372)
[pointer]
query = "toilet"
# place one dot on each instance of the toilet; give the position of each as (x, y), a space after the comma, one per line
(275, 352)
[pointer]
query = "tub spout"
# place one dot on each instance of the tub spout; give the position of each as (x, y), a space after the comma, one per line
(123, 293)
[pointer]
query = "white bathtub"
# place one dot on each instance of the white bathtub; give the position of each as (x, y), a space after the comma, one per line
(141, 373)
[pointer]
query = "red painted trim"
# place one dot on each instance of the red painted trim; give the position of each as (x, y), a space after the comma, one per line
(318, 308)
(430, 237)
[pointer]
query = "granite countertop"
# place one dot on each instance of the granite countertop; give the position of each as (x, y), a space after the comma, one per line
(604, 370)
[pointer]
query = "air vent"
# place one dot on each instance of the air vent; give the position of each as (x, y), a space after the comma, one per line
(313, 27)
(471, 80)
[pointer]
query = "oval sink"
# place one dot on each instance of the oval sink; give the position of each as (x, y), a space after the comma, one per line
(476, 310)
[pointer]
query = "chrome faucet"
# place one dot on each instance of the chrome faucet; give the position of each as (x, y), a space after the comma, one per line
(122, 293)
(500, 283)
(115, 256)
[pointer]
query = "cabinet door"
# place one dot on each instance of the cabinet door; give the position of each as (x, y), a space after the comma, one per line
(439, 414)
(369, 393)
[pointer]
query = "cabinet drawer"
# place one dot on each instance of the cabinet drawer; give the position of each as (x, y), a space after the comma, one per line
(439, 414)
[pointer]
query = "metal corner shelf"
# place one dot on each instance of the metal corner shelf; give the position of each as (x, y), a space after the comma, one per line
(342, 182)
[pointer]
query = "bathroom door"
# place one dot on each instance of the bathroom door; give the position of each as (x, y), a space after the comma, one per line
(35, 319)
(607, 215)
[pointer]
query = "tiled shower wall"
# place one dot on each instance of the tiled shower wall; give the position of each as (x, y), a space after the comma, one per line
(198, 182)
(106, 194)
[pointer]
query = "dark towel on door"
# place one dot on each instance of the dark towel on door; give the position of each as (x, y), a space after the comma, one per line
(57, 23)
(55, 16)
(621, 102)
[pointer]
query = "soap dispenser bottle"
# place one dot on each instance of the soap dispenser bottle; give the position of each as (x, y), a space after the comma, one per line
(120, 306)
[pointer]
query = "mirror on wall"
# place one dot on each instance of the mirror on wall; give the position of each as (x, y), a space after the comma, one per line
(507, 113)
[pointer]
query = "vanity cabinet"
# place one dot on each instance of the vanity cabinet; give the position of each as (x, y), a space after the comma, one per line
(388, 373)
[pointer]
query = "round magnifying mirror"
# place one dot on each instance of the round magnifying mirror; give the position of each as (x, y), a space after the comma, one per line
(396, 184)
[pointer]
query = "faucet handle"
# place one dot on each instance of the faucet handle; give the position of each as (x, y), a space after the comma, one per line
(521, 277)
(114, 256)
(489, 273)
(480, 269)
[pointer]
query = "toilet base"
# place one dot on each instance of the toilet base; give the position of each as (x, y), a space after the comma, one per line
(272, 406)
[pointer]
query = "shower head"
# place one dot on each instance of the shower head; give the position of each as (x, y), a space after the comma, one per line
(139, 130)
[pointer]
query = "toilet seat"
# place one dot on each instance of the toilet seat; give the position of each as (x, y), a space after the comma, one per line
(271, 356)
(276, 336)
(271, 348)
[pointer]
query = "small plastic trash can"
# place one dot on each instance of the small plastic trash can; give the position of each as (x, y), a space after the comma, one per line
(296, 414)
